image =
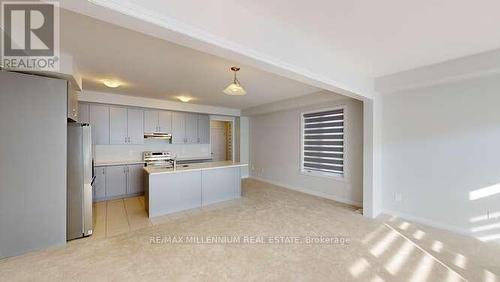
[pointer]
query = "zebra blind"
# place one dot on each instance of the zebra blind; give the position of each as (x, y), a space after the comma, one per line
(323, 142)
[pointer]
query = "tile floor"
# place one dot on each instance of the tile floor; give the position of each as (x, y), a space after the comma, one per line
(384, 249)
(119, 216)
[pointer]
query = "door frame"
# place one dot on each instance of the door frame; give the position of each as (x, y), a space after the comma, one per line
(232, 121)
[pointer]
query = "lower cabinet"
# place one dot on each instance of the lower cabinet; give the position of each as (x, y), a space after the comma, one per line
(135, 176)
(221, 184)
(116, 181)
(113, 182)
(99, 185)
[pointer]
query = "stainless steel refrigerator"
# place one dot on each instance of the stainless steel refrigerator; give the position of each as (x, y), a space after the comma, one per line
(79, 178)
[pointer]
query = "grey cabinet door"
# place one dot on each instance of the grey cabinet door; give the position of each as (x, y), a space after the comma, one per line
(135, 183)
(191, 128)
(203, 129)
(118, 125)
(220, 185)
(135, 126)
(172, 192)
(99, 185)
(178, 128)
(150, 121)
(165, 121)
(72, 104)
(83, 113)
(116, 181)
(99, 120)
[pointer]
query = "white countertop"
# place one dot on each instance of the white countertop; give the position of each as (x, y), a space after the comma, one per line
(132, 162)
(194, 167)
(112, 163)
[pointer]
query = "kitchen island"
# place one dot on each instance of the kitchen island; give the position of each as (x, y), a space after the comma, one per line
(190, 186)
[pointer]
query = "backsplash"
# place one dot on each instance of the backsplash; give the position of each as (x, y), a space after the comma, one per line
(134, 152)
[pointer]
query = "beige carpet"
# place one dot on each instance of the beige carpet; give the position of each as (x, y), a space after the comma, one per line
(387, 249)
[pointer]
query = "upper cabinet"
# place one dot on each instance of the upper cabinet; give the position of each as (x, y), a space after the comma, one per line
(72, 104)
(122, 125)
(191, 128)
(178, 128)
(126, 126)
(99, 122)
(203, 129)
(135, 126)
(157, 121)
(165, 121)
(118, 125)
(83, 113)
(150, 121)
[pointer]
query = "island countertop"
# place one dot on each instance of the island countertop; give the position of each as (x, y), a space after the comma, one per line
(194, 167)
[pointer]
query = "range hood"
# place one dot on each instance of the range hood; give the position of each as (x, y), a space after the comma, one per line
(158, 135)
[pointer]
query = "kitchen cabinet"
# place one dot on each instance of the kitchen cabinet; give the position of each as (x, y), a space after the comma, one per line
(116, 181)
(157, 121)
(72, 113)
(99, 120)
(99, 185)
(203, 129)
(135, 179)
(191, 128)
(126, 126)
(165, 121)
(118, 125)
(119, 181)
(83, 113)
(178, 128)
(220, 185)
(135, 126)
(150, 121)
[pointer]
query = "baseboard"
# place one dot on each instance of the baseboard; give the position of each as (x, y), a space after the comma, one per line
(306, 191)
(429, 222)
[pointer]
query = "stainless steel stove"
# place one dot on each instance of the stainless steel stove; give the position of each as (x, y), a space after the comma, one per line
(163, 159)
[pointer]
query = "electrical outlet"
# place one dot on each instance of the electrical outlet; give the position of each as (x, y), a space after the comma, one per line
(398, 197)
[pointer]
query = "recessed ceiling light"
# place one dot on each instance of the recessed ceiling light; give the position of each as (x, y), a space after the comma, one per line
(184, 99)
(235, 88)
(111, 83)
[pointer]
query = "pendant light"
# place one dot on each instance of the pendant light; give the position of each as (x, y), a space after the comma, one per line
(235, 88)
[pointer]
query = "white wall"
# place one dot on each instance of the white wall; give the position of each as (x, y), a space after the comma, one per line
(244, 145)
(439, 145)
(275, 152)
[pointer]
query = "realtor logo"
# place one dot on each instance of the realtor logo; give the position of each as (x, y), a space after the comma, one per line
(30, 36)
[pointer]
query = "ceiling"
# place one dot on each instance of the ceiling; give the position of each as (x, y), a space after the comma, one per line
(155, 68)
(347, 42)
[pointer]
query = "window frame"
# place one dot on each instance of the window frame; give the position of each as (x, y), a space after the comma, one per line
(332, 175)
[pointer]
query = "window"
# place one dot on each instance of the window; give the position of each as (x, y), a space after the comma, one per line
(323, 142)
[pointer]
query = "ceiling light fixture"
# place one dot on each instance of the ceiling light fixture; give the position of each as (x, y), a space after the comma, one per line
(111, 83)
(184, 99)
(235, 88)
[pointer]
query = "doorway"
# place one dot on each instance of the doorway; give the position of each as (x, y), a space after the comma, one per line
(221, 140)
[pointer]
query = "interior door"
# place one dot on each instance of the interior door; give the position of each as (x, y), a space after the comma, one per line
(118, 125)
(218, 143)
